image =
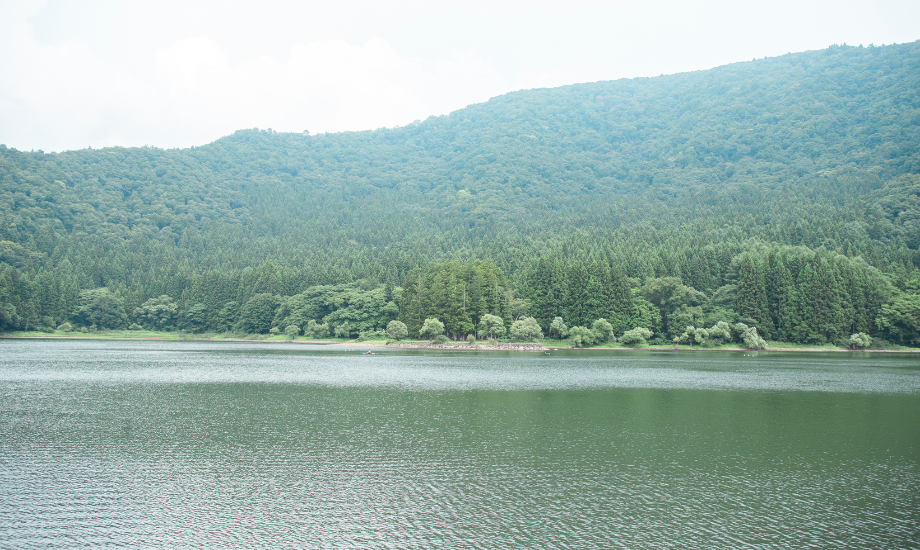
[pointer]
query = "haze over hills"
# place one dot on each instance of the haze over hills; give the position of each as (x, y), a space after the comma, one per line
(808, 159)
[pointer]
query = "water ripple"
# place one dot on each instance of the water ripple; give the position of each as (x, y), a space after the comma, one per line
(208, 446)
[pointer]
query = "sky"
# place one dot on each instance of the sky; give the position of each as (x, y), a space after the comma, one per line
(178, 73)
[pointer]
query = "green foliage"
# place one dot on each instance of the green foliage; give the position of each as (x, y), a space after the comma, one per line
(459, 294)
(752, 299)
(749, 336)
(227, 316)
(672, 297)
(491, 326)
(685, 316)
(558, 329)
(645, 314)
(577, 291)
(638, 335)
(366, 335)
(713, 336)
(66, 327)
(691, 335)
(693, 139)
(195, 318)
(526, 329)
(257, 314)
(364, 307)
(292, 330)
(431, 328)
(603, 331)
(396, 330)
(720, 333)
(582, 336)
(158, 313)
(101, 308)
(343, 331)
(860, 340)
(897, 208)
(316, 330)
(9, 318)
(900, 319)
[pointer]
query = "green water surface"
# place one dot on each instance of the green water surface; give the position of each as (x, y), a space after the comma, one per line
(223, 445)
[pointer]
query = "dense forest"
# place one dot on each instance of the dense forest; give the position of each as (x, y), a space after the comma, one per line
(779, 196)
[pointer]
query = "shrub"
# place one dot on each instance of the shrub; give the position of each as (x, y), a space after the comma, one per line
(720, 333)
(67, 327)
(47, 324)
(292, 330)
(581, 336)
(750, 337)
(881, 343)
(396, 330)
(603, 331)
(860, 340)
(365, 335)
(693, 335)
(316, 330)
(431, 328)
(557, 329)
(638, 335)
(343, 330)
(526, 329)
(686, 336)
(491, 326)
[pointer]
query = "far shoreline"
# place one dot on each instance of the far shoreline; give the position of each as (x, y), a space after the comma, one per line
(540, 347)
(521, 347)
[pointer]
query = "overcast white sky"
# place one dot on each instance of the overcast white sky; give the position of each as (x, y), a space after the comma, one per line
(175, 73)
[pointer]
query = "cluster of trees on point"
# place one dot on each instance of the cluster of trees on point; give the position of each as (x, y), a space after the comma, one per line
(459, 295)
(782, 194)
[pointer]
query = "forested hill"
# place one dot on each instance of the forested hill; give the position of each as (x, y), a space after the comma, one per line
(673, 176)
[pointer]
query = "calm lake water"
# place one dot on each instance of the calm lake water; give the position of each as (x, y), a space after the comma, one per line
(239, 445)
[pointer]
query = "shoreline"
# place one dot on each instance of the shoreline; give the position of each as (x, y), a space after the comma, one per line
(540, 347)
(503, 346)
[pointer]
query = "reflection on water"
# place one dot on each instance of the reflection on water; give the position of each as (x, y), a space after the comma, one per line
(201, 445)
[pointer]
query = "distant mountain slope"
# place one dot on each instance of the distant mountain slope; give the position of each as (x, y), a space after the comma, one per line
(732, 135)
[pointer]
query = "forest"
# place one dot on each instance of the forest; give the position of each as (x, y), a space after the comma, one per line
(774, 199)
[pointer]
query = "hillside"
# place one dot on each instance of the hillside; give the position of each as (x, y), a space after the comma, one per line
(812, 157)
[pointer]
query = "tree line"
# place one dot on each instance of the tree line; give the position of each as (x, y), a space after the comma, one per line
(788, 294)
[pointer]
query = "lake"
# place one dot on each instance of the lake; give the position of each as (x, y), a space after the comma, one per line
(256, 445)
